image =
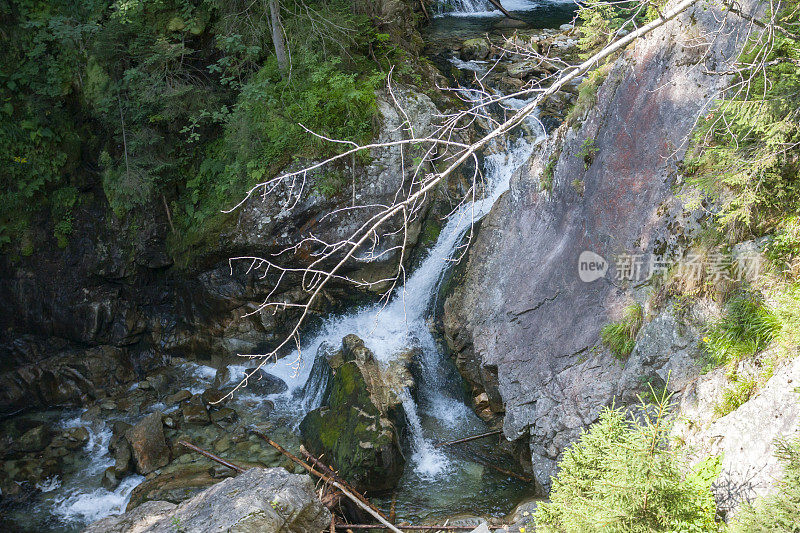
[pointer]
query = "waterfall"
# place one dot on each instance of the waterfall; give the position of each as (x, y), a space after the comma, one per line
(402, 324)
(481, 8)
(464, 6)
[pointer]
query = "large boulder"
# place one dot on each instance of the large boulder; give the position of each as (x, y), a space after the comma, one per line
(317, 388)
(194, 412)
(148, 446)
(478, 48)
(263, 500)
(33, 440)
(356, 428)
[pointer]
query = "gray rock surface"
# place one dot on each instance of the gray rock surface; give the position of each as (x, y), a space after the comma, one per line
(528, 334)
(257, 501)
(745, 437)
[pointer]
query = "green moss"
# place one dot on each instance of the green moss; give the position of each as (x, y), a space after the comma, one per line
(549, 172)
(430, 232)
(587, 94)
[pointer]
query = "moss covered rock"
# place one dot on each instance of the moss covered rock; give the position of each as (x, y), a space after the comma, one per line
(356, 428)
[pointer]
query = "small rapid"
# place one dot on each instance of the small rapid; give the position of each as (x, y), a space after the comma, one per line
(481, 8)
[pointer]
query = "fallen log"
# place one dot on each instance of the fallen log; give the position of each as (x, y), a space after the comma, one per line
(468, 439)
(329, 471)
(238, 469)
(367, 507)
(498, 5)
(503, 471)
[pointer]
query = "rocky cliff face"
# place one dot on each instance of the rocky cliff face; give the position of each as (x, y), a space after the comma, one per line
(529, 335)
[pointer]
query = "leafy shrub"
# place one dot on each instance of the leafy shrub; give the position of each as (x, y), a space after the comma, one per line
(779, 512)
(745, 329)
(620, 337)
(262, 135)
(621, 476)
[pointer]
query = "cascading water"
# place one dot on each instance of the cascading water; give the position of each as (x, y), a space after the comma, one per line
(481, 8)
(464, 6)
(402, 324)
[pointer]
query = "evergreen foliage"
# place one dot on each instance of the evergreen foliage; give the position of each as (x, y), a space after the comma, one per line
(621, 476)
(780, 512)
(747, 156)
(172, 101)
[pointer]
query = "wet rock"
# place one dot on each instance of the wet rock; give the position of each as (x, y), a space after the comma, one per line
(317, 388)
(264, 500)
(357, 427)
(508, 23)
(226, 414)
(92, 414)
(33, 440)
(526, 69)
(220, 472)
(170, 422)
(66, 377)
(214, 398)
(148, 445)
(122, 458)
(523, 512)
(110, 480)
(194, 412)
(178, 397)
(76, 438)
(222, 377)
(265, 383)
(55, 452)
(120, 448)
(159, 381)
(478, 48)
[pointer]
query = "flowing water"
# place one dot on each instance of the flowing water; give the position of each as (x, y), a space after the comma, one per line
(482, 7)
(436, 412)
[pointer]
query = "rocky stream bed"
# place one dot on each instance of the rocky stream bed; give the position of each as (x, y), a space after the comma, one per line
(373, 404)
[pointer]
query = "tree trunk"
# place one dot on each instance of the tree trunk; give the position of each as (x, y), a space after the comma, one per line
(277, 36)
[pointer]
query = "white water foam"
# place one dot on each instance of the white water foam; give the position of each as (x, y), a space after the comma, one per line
(402, 324)
(90, 506)
(71, 502)
(482, 8)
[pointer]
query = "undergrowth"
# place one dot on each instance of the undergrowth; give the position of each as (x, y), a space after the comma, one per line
(778, 512)
(623, 476)
(620, 337)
